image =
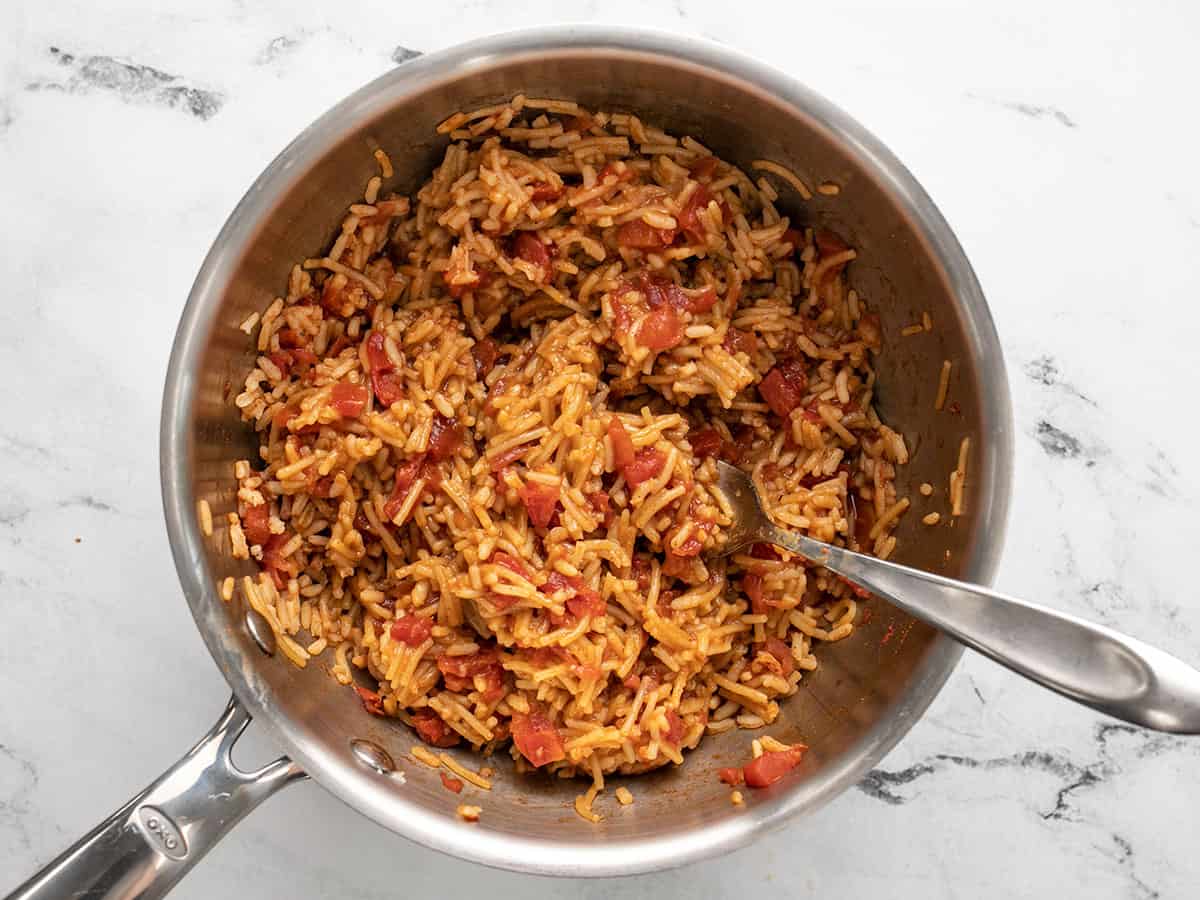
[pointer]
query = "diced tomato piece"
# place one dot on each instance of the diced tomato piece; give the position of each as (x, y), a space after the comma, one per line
(377, 356)
(772, 765)
(542, 191)
(637, 235)
(795, 237)
(540, 502)
(387, 387)
(527, 246)
(783, 387)
(586, 601)
(432, 730)
(459, 672)
(752, 585)
(556, 581)
(690, 546)
(511, 563)
(689, 216)
(444, 438)
(411, 629)
(502, 602)
(660, 330)
(255, 525)
(602, 504)
(702, 300)
(730, 776)
(704, 167)
(338, 346)
(283, 360)
(371, 701)
(705, 442)
(537, 739)
(509, 456)
(674, 728)
(783, 653)
(647, 463)
(348, 400)
(318, 486)
(764, 551)
(745, 341)
(406, 474)
(828, 243)
(622, 444)
(454, 785)
(484, 353)
(274, 564)
(384, 381)
(658, 290)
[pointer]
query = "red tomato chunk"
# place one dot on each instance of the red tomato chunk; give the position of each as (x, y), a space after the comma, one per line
(528, 246)
(647, 463)
(537, 739)
(540, 502)
(460, 672)
(454, 785)
(432, 730)
(689, 216)
(674, 728)
(783, 387)
(730, 775)
(783, 653)
(543, 192)
(255, 523)
(586, 602)
(384, 381)
(412, 630)
(705, 443)
(511, 563)
(509, 456)
(622, 444)
(484, 354)
(406, 474)
(640, 236)
(370, 701)
(274, 564)
(444, 438)
(772, 766)
(348, 400)
(660, 330)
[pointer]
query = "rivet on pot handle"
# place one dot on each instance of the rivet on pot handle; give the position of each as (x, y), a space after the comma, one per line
(147, 845)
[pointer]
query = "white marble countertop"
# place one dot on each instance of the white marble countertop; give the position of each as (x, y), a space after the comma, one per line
(1062, 147)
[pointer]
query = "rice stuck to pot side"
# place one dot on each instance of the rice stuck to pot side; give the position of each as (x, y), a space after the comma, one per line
(489, 420)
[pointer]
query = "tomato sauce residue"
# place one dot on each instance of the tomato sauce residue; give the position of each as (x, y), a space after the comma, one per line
(887, 636)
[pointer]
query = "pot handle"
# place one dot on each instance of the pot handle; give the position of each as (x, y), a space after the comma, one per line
(147, 845)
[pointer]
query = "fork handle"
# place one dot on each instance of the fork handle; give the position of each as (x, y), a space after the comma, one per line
(1089, 663)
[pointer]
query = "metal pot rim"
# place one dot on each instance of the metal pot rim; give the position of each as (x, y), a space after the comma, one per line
(197, 322)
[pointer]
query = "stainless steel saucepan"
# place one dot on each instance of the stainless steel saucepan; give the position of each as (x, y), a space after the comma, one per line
(869, 690)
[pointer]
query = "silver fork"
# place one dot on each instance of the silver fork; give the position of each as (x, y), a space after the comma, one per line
(1088, 663)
